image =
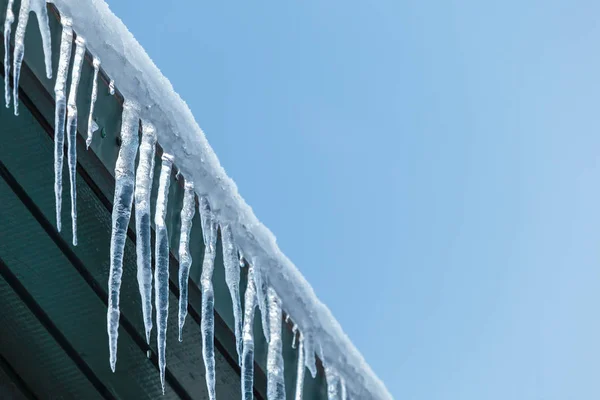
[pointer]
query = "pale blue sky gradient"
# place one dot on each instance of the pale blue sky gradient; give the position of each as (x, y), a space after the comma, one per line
(432, 168)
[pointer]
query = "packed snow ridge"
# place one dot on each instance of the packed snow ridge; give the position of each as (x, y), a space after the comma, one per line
(275, 285)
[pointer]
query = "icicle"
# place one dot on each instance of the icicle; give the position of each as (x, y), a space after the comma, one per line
(309, 350)
(207, 325)
(185, 258)
(261, 297)
(66, 42)
(92, 126)
(300, 368)
(294, 331)
(111, 87)
(161, 270)
(124, 183)
(287, 318)
(275, 381)
(10, 18)
(72, 130)
(143, 189)
(248, 338)
(344, 392)
(40, 10)
(232, 277)
(333, 384)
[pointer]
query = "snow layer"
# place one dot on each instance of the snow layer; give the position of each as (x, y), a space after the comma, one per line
(139, 80)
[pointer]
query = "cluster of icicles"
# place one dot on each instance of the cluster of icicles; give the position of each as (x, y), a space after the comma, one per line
(136, 184)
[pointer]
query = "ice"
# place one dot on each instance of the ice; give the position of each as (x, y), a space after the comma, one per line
(161, 270)
(294, 330)
(275, 381)
(124, 185)
(232, 278)
(40, 10)
(343, 391)
(248, 337)
(300, 369)
(140, 80)
(10, 18)
(261, 298)
(309, 350)
(185, 257)
(72, 130)
(143, 187)
(207, 325)
(60, 95)
(333, 384)
(111, 87)
(92, 125)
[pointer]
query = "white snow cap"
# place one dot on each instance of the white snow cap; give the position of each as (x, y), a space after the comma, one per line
(140, 81)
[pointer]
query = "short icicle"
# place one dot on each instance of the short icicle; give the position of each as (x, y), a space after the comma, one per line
(275, 381)
(309, 351)
(248, 338)
(111, 87)
(185, 258)
(343, 390)
(72, 130)
(143, 188)
(294, 332)
(232, 278)
(124, 186)
(261, 299)
(92, 126)
(300, 368)
(10, 18)
(40, 10)
(333, 384)
(207, 325)
(60, 111)
(161, 270)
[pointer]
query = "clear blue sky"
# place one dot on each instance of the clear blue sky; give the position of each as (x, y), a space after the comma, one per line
(432, 167)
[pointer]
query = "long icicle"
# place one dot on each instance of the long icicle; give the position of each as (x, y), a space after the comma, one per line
(143, 188)
(185, 257)
(124, 186)
(300, 368)
(275, 381)
(232, 278)
(10, 18)
(60, 95)
(92, 127)
(207, 325)
(248, 338)
(39, 8)
(72, 130)
(161, 270)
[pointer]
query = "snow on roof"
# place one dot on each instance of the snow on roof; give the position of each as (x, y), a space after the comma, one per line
(140, 81)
